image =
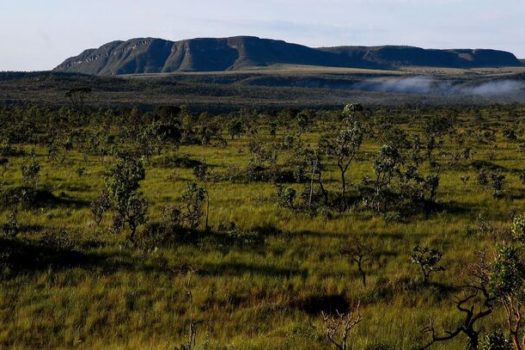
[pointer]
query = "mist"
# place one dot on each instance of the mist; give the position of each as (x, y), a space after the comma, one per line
(425, 85)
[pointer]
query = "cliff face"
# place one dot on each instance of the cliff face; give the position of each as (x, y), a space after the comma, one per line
(149, 55)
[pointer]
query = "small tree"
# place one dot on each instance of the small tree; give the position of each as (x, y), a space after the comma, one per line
(344, 148)
(482, 177)
(202, 174)
(30, 173)
(122, 185)
(431, 185)
(498, 181)
(359, 254)
(235, 128)
(386, 167)
(99, 206)
(338, 327)
(77, 97)
(135, 213)
(304, 120)
(273, 126)
(193, 199)
(428, 260)
(435, 128)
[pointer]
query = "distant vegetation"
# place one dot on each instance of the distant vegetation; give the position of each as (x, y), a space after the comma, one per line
(356, 228)
(270, 89)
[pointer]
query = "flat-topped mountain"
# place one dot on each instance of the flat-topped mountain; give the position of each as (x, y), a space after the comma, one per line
(149, 55)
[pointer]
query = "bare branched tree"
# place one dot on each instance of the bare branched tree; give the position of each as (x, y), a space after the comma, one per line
(475, 303)
(337, 327)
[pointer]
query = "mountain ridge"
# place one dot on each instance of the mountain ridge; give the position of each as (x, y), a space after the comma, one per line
(153, 55)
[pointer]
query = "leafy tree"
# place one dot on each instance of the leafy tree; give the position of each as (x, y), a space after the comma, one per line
(193, 198)
(431, 185)
(428, 260)
(273, 126)
(235, 128)
(482, 177)
(304, 120)
(201, 172)
(506, 284)
(30, 173)
(435, 128)
(122, 183)
(498, 181)
(386, 167)
(344, 147)
(135, 213)
(77, 97)
(99, 206)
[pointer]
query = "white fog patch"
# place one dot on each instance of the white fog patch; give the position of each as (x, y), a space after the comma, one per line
(414, 85)
(496, 88)
(425, 85)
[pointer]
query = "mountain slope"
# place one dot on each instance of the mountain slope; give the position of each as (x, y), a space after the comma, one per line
(150, 55)
(398, 56)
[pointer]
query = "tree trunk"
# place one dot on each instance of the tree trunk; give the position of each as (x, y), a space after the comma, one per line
(362, 271)
(312, 185)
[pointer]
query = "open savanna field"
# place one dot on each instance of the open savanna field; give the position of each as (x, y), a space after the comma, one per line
(167, 229)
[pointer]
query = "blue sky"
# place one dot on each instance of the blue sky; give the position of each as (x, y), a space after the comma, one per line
(39, 34)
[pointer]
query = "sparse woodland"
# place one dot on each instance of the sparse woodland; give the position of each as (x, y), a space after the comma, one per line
(359, 228)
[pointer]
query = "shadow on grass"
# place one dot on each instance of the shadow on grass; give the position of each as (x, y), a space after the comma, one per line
(48, 199)
(315, 304)
(31, 198)
(453, 208)
(516, 194)
(386, 290)
(24, 256)
(21, 257)
(237, 269)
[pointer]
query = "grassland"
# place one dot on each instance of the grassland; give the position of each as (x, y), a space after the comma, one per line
(95, 291)
(270, 88)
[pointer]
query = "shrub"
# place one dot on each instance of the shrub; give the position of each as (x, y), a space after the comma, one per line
(495, 340)
(11, 228)
(518, 228)
(286, 197)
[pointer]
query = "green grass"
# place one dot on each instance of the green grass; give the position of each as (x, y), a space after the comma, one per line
(245, 297)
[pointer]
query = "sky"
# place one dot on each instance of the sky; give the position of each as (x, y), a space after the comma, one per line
(40, 34)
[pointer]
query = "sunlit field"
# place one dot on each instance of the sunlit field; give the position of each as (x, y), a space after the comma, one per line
(276, 259)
